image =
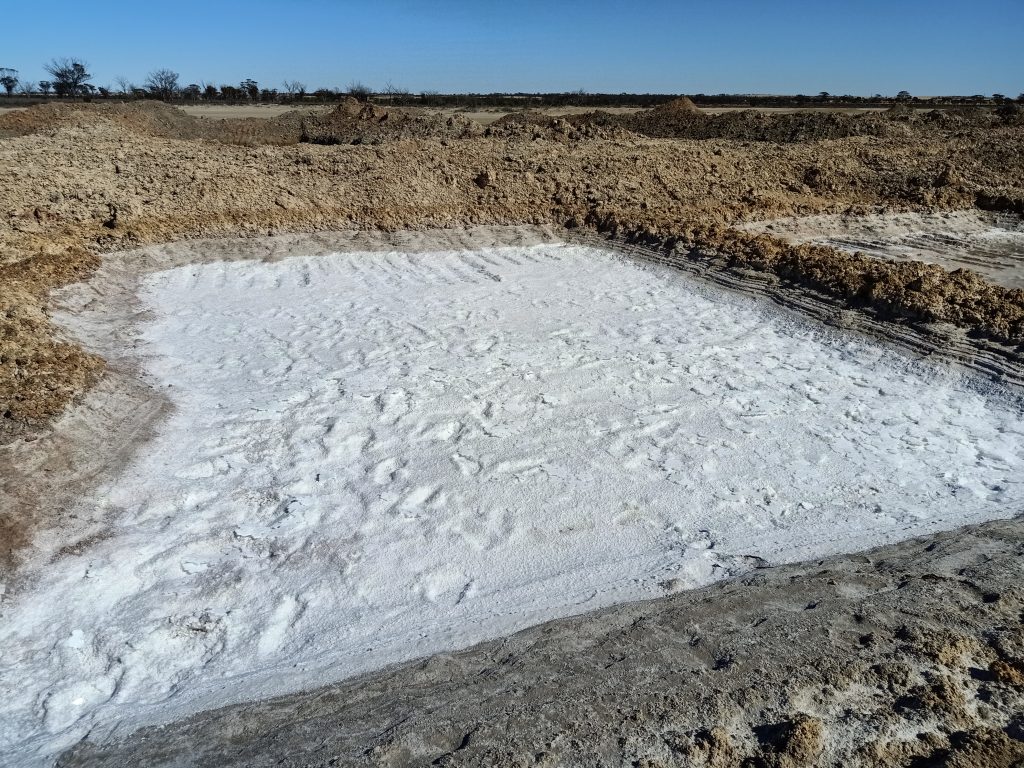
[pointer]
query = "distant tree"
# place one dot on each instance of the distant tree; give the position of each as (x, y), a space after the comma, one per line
(824, 96)
(70, 76)
(163, 84)
(230, 92)
(210, 92)
(294, 88)
(45, 86)
(192, 91)
(124, 86)
(250, 88)
(324, 94)
(104, 91)
(396, 94)
(903, 96)
(9, 80)
(999, 98)
(268, 95)
(25, 88)
(1020, 99)
(359, 91)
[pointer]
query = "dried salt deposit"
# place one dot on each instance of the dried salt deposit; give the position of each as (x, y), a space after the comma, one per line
(374, 457)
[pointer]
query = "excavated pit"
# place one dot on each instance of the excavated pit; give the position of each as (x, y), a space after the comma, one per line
(374, 456)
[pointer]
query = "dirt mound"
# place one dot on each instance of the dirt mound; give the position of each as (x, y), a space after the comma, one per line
(680, 106)
(153, 118)
(355, 123)
(532, 126)
(681, 120)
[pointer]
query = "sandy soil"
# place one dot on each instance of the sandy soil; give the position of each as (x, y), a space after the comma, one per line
(79, 182)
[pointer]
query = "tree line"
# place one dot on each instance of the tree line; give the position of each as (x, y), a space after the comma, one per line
(70, 78)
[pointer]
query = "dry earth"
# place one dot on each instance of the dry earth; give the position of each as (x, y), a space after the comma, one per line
(936, 676)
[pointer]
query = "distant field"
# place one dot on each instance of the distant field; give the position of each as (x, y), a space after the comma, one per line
(222, 111)
(485, 116)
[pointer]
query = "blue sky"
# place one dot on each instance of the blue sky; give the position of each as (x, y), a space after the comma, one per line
(687, 46)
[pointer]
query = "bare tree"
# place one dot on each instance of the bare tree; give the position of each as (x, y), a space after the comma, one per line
(25, 88)
(9, 80)
(162, 83)
(395, 93)
(294, 88)
(70, 76)
(125, 86)
(358, 90)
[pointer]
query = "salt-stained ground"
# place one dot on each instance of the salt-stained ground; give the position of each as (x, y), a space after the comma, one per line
(374, 457)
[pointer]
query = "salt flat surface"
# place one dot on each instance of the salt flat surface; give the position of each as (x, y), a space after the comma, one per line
(373, 457)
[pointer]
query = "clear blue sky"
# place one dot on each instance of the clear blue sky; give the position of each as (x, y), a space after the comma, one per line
(683, 46)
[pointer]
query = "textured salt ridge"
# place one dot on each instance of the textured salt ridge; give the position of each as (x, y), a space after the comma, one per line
(374, 457)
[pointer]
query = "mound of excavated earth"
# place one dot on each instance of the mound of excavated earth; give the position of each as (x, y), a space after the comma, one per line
(910, 655)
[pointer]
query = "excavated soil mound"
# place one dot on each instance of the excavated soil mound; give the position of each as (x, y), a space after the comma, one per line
(355, 123)
(531, 126)
(153, 118)
(680, 119)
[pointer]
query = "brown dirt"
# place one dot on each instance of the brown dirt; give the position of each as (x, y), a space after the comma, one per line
(353, 122)
(681, 119)
(152, 118)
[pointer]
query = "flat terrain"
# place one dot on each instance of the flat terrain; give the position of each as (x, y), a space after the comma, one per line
(482, 116)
